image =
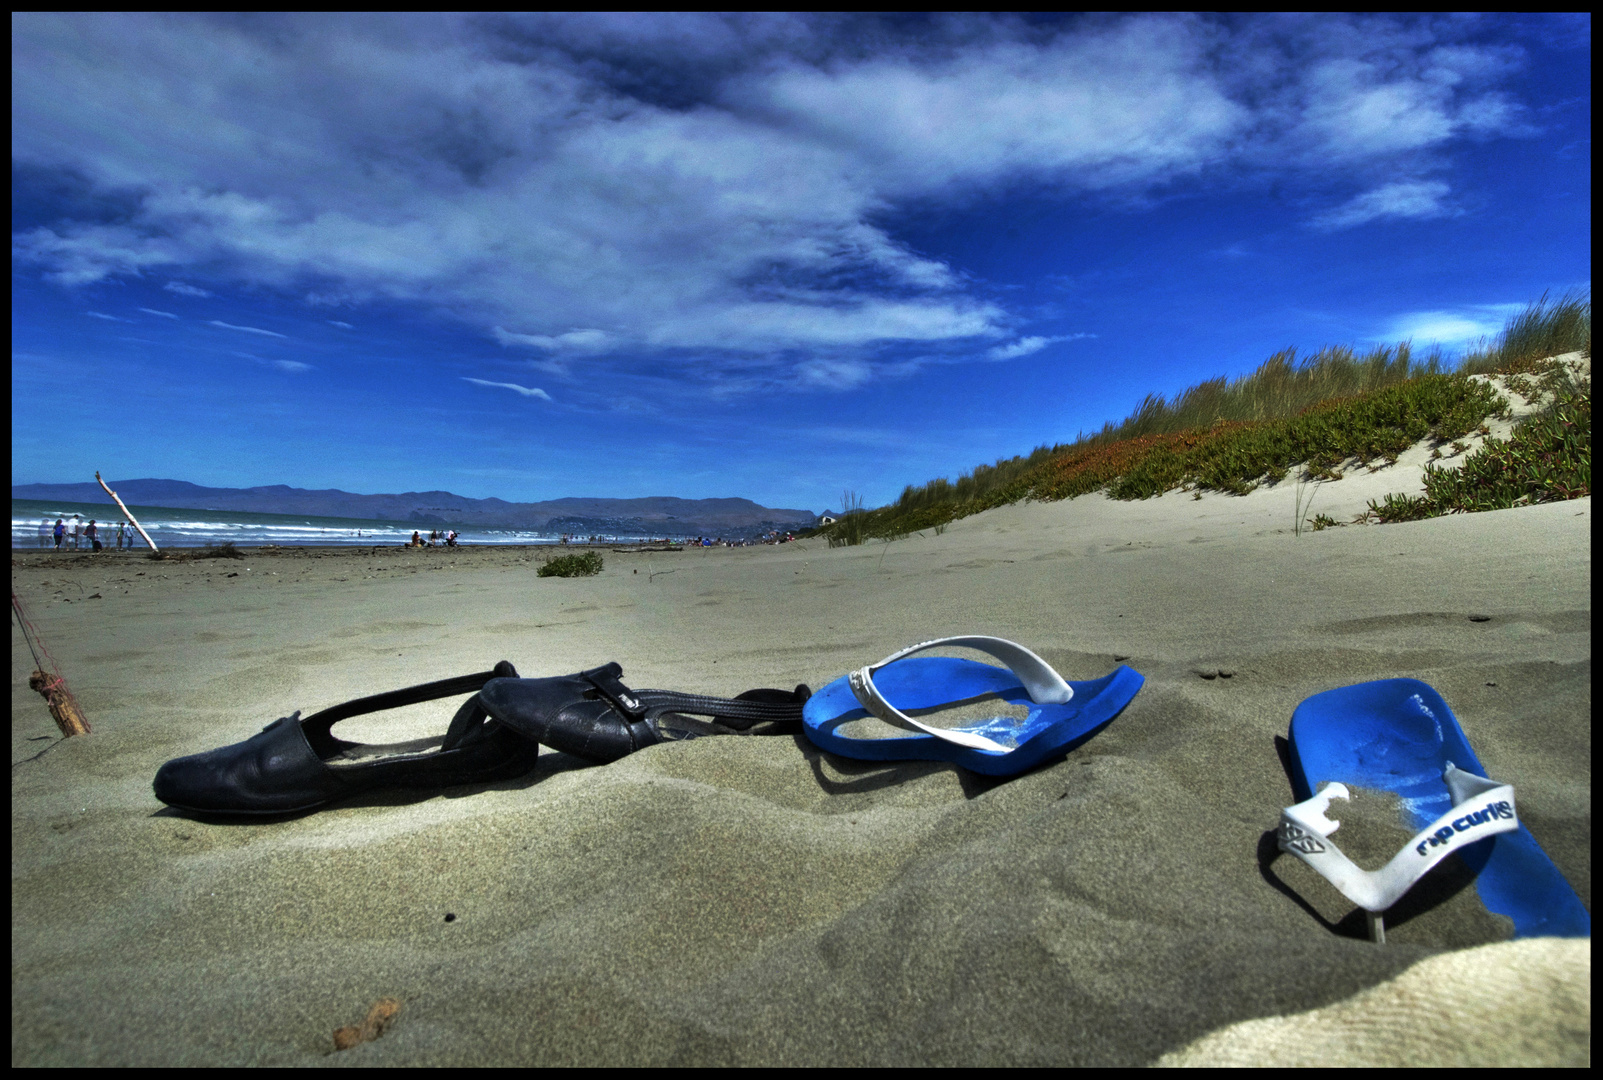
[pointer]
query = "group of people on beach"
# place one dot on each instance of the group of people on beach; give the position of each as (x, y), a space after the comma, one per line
(70, 537)
(771, 538)
(436, 537)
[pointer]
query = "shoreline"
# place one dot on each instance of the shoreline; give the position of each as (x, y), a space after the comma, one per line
(272, 550)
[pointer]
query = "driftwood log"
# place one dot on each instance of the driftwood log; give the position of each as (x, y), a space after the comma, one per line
(131, 518)
(63, 706)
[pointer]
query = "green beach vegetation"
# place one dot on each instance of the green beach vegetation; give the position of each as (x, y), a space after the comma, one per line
(1331, 411)
(1547, 458)
(579, 564)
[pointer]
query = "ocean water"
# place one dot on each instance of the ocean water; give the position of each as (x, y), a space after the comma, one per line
(170, 527)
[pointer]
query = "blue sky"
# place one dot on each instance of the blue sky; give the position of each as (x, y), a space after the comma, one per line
(773, 257)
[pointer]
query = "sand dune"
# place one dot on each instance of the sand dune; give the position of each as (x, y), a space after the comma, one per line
(750, 900)
(1509, 1005)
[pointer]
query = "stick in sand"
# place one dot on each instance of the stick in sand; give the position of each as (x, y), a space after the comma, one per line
(63, 706)
(118, 501)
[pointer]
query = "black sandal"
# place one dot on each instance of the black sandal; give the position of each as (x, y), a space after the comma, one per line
(294, 764)
(595, 716)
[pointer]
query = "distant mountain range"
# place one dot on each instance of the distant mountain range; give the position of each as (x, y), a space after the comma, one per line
(662, 514)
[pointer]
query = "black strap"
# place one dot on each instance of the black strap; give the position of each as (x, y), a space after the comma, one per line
(319, 723)
(606, 679)
(467, 723)
(735, 713)
(752, 707)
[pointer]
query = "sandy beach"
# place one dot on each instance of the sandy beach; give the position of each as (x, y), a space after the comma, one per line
(752, 900)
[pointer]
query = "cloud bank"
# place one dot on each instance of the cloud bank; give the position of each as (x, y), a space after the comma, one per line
(696, 186)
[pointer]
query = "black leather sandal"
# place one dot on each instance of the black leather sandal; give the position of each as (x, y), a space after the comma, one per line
(294, 764)
(595, 716)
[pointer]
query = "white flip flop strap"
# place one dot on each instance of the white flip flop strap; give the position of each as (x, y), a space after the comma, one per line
(1044, 685)
(1481, 808)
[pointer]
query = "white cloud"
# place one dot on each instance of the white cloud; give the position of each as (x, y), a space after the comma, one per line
(1131, 102)
(526, 391)
(246, 329)
(103, 315)
(90, 254)
(1356, 113)
(594, 185)
(772, 325)
(294, 367)
(341, 325)
(1454, 330)
(1028, 345)
(1021, 347)
(572, 341)
(834, 374)
(163, 314)
(1356, 92)
(1404, 199)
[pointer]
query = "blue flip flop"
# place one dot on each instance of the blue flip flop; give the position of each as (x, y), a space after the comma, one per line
(1061, 713)
(1398, 735)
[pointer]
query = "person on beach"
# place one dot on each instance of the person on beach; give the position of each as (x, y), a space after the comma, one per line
(77, 530)
(61, 533)
(92, 534)
(417, 539)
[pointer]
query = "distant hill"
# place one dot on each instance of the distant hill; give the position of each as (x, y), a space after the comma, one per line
(664, 514)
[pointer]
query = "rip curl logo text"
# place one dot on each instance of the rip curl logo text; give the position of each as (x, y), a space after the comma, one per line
(1299, 840)
(1492, 812)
